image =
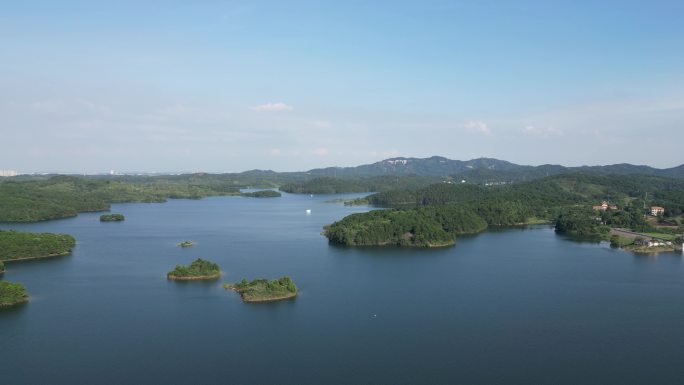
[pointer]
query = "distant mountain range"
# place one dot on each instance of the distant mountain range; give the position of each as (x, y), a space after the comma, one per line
(484, 169)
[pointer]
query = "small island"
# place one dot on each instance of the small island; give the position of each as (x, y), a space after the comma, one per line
(263, 290)
(12, 294)
(262, 194)
(199, 269)
(18, 245)
(186, 243)
(112, 218)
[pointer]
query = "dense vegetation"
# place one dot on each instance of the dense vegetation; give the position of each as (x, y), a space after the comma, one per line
(28, 199)
(552, 192)
(12, 294)
(261, 290)
(581, 222)
(198, 269)
(111, 218)
(262, 194)
(22, 245)
(430, 226)
(426, 214)
(2, 267)
(329, 185)
(65, 196)
(585, 222)
(482, 170)
(186, 243)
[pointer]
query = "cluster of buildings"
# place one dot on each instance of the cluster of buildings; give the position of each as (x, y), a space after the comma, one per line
(604, 206)
(8, 173)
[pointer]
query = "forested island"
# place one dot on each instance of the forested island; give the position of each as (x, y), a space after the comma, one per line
(186, 244)
(12, 294)
(199, 269)
(112, 218)
(262, 194)
(17, 245)
(435, 215)
(263, 290)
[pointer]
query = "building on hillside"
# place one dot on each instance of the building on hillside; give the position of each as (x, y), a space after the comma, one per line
(605, 206)
(657, 210)
(602, 207)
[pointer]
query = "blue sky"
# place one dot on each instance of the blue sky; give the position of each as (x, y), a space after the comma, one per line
(231, 86)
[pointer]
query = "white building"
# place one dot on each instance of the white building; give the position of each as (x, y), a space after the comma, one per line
(657, 210)
(8, 173)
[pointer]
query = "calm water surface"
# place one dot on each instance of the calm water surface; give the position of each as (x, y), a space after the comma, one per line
(520, 306)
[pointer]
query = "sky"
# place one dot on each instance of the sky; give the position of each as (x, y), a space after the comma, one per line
(228, 86)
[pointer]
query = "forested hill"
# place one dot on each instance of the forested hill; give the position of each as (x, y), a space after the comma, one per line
(434, 166)
(65, 196)
(484, 170)
(551, 191)
(329, 185)
(435, 215)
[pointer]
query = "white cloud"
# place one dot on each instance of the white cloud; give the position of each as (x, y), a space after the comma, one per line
(478, 127)
(542, 131)
(273, 107)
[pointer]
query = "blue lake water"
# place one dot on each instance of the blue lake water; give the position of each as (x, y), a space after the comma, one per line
(516, 306)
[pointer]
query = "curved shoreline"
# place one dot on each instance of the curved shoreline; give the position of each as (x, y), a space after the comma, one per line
(8, 304)
(257, 300)
(41, 257)
(194, 278)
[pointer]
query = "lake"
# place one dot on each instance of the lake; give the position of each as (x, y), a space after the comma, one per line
(513, 306)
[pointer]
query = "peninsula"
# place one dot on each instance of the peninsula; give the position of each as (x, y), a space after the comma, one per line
(112, 218)
(436, 215)
(199, 269)
(263, 290)
(12, 294)
(262, 194)
(18, 245)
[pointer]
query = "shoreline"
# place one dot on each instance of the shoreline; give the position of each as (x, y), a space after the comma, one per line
(194, 278)
(438, 245)
(109, 209)
(41, 257)
(22, 302)
(258, 300)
